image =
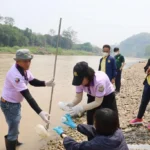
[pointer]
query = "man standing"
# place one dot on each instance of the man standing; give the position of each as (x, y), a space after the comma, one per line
(15, 89)
(120, 62)
(145, 97)
(108, 64)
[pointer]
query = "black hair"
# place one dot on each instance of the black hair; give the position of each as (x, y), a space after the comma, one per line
(107, 46)
(106, 121)
(116, 49)
(90, 74)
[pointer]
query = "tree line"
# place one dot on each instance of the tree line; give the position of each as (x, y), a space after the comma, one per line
(13, 36)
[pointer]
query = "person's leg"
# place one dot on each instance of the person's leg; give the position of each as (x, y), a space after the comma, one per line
(12, 115)
(144, 101)
(109, 101)
(90, 113)
(143, 105)
(118, 80)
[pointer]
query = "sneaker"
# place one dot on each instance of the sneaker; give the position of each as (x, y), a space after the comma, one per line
(136, 121)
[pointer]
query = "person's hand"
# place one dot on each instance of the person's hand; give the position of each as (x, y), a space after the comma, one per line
(69, 122)
(76, 111)
(113, 81)
(59, 130)
(44, 115)
(65, 106)
(50, 83)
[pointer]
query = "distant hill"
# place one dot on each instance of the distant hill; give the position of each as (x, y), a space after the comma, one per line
(135, 45)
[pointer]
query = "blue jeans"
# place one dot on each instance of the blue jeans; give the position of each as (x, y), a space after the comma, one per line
(12, 113)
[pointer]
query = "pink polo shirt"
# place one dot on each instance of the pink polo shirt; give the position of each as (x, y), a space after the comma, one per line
(100, 87)
(14, 83)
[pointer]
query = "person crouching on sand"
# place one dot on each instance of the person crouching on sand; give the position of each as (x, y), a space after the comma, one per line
(104, 135)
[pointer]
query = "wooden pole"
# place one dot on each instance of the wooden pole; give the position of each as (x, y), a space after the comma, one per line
(54, 72)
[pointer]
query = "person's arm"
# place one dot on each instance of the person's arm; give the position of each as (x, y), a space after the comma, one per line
(98, 101)
(123, 63)
(87, 130)
(114, 70)
(77, 100)
(26, 94)
(70, 144)
(37, 83)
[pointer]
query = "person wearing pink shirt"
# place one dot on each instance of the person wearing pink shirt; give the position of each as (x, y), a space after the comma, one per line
(15, 89)
(99, 89)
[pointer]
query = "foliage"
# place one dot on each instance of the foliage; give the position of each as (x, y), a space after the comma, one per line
(45, 50)
(11, 36)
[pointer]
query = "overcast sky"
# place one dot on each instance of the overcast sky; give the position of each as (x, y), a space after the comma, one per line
(96, 21)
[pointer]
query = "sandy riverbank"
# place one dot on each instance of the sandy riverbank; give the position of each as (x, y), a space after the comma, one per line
(128, 103)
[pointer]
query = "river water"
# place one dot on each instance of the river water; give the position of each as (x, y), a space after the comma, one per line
(42, 68)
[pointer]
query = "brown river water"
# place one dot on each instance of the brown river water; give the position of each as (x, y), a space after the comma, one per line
(42, 68)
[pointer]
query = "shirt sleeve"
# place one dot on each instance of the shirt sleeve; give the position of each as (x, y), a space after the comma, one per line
(18, 83)
(71, 144)
(123, 60)
(100, 91)
(79, 89)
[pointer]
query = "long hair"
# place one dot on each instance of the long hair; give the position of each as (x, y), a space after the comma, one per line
(90, 74)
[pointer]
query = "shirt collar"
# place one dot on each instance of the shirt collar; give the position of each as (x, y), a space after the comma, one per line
(92, 82)
(20, 69)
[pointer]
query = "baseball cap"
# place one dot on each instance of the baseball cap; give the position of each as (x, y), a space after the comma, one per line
(80, 70)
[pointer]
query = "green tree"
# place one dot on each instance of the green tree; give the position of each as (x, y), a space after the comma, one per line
(70, 34)
(9, 21)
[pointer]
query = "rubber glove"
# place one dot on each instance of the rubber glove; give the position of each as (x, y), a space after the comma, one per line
(76, 111)
(69, 122)
(50, 83)
(64, 106)
(59, 130)
(44, 115)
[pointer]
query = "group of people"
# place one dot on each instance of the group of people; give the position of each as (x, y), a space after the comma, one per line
(102, 129)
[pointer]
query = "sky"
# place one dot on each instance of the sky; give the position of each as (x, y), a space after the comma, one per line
(97, 21)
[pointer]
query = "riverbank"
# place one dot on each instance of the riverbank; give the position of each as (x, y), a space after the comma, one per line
(45, 51)
(128, 104)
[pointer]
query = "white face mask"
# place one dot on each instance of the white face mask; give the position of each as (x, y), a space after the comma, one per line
(116, 53)
(105, 54)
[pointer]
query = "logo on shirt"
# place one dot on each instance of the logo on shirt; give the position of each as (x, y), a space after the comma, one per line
(17, 80)
(75, 74)
(101, 89)
(108, 61)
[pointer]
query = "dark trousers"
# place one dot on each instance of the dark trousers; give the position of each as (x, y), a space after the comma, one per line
(108, 102)
(145, 100)
(118, 80)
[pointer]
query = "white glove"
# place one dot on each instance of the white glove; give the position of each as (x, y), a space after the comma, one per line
(50, 83)
(64, 106)
(44, 115)
(76, 111)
